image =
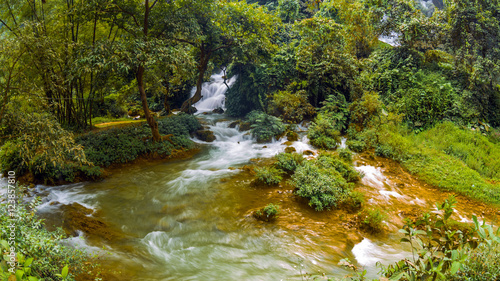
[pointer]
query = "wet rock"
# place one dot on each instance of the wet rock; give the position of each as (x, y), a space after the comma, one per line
(290, 149)
(205, 135)
(292, 136)
(218, 110)
(245, 126)
(308, 152)
(234, 124)
(77, 217)
(287, 143)
(265, 146)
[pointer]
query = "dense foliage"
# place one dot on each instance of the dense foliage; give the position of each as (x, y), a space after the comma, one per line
(40, 253)
(325, 181)
(121, 145)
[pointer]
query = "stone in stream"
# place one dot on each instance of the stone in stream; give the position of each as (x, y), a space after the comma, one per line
(218, 110)
(205, 135)
(290, 149)
(77, 217)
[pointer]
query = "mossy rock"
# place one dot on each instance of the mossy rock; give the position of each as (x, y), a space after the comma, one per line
(205, 135)
(245, 126)
(292, 136)
(290, 149)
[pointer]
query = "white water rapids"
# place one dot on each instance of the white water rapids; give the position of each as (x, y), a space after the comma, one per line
(180, 222)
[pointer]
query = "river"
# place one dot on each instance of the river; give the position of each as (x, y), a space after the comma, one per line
(191, 219)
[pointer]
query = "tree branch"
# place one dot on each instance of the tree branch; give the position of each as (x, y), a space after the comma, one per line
(130, 14)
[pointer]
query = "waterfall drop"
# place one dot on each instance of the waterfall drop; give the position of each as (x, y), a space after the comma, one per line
(213, 93)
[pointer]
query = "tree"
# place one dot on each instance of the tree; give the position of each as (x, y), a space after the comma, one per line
(224, 32)
(146, 45)
(324, 60)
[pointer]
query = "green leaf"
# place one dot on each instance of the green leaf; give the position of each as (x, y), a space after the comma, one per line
(64, 272)
(455, 266)
(397, 276)
(19, 275)
(28, 262)
(31, 278)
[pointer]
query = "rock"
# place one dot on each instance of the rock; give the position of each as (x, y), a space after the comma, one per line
(205, 135)
(234, 124)
(290, 149)
(292, 136)
(77, 217)
(308, 152)
(287, 143)
(218, 110)
(245, 126)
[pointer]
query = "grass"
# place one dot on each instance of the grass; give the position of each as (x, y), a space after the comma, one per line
(101, 122)
(447, 157)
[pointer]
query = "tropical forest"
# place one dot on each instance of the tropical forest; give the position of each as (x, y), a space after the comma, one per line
(154, 140)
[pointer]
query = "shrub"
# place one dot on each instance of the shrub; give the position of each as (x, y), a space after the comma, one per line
(336, 108)
(292, 107)
(269, 175)
(268, 213)
(265, 127)
(331, 161)
(354, 202)
(371, 220)
(39, 145)
(345, 154)
(121, 145)
(178, 125)
(289, 162)
(356, 145)
(440, 250)
(323, 133)
(39, 250)
(324, 188)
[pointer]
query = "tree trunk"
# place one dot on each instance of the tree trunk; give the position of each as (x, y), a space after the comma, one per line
(151, 121)
(202, 67)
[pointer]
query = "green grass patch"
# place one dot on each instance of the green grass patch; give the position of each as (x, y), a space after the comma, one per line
(104, 119)
(446, 157)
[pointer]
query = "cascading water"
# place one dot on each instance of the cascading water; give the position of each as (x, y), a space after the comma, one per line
(190, 219)
(213, 92)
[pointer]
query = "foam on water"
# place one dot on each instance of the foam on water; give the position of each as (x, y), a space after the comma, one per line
(372, 176)
(213, 93)
(65, 194)
(367, 253)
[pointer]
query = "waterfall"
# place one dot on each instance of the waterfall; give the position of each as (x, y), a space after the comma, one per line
(213, 93)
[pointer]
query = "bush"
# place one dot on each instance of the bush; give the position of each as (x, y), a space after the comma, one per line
(43, 248)
(181, 124)
(336, 108)
(371, 220)
(345, 154)
(440, 250)
(323, 133)
(269, 175)
(331, 161)
(354, 202)
(292, 107)
(121, 145)
(44, 149)
(265, 127)
(356, 145)
(325, 188)
(289, 162)
(268, 213)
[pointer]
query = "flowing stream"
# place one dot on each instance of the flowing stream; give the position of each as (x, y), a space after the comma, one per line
(191, 219)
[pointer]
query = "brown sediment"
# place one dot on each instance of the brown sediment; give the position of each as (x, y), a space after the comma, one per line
(77, 217)
(341, 228)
